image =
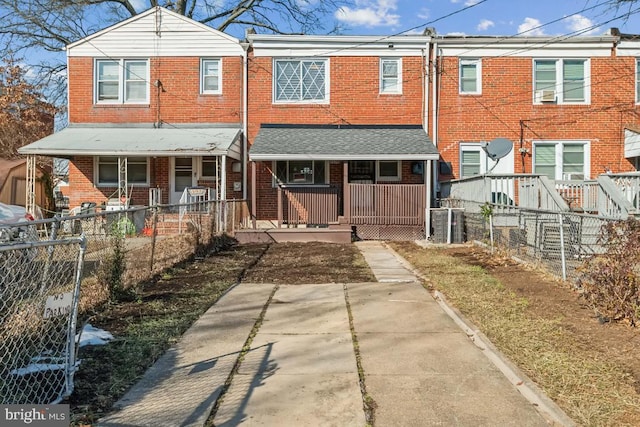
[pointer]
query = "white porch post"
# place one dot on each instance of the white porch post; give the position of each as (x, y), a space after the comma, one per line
(122, 182)
(30, 197)
(223, 179)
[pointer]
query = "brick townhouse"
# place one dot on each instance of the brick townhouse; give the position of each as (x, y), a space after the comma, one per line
(337, 131)
(568, 104)
(154, 102)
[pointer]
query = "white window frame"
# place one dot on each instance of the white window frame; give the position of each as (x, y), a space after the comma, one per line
(300, 100)
(394, 89)
(96, 172)
(559, 150)
(558, 87)
(204, 91)
(122, 87)
(275, 181)
(397, 177)
(201, 161)
(477, 63)
(471, 147)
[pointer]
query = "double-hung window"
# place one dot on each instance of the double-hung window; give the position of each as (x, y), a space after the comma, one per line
(210, 80)
(301, 80)
(391, 75)
(469, 161)
(108, 174)
(563, 160)
(565, 81)
(301, 172)
(470, 75)
(122, 81)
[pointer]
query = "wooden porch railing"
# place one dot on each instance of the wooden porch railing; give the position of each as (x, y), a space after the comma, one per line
(387, 204)
(311, 205)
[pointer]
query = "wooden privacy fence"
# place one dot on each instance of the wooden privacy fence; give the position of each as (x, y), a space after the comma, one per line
(386, 204)
(311, 205)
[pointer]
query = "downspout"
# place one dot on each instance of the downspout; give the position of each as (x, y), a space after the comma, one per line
(245, 116)
(434, 106)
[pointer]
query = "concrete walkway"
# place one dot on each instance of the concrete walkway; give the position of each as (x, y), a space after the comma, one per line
(418, 365)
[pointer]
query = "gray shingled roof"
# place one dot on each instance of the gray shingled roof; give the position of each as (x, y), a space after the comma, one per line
(283, 142)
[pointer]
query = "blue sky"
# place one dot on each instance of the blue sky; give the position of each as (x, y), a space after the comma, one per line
(489, 17)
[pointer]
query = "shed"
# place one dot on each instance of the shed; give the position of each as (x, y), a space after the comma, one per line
(13, 183)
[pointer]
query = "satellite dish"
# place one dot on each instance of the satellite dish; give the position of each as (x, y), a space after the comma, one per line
(497, 149)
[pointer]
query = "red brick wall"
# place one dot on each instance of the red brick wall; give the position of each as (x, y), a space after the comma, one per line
(180, 102)
(507, 98)
(354, 99)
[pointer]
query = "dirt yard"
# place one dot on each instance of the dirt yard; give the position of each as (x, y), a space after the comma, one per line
(155, 316)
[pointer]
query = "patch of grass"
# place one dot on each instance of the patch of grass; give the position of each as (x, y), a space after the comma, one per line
(590, 388)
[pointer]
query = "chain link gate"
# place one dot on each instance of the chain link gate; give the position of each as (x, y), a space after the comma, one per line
(39, 293)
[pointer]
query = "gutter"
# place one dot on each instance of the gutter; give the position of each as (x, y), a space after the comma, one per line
(245, 115)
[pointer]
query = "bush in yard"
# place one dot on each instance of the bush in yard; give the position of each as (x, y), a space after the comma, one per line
(611, 281)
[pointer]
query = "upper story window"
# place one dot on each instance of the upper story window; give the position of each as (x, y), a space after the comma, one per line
(564, 81)
(107, 171)
(301, 80)
(391, 75)
(210, 80)
(470, 76)
(122, 81)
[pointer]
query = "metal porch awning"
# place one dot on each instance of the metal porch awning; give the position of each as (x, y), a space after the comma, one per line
(344, 142)
(138, 141)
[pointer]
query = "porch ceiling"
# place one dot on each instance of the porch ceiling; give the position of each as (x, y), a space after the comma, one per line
(354, 142)
(139, 141)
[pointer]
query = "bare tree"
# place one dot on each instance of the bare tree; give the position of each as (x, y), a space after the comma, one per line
(24, 116)
(33, 28)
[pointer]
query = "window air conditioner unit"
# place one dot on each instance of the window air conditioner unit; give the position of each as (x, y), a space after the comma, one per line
(546, 95)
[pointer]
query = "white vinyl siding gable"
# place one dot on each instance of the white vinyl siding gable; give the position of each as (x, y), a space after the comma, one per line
(211, 76)
(568, 81)
(470, 74)
(121, 81)
(301, 81)
(162, 34)
(391, 76)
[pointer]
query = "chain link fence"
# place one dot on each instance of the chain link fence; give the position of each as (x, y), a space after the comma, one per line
(53, 277)
(39, 294)
(558, 241)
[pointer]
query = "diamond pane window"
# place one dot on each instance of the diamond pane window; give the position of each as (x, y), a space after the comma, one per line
(300, 81)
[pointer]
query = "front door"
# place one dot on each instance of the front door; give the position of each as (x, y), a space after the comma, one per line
(183, 175)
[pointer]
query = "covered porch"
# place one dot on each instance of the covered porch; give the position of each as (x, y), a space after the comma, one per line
(118, 167)
(375, 181)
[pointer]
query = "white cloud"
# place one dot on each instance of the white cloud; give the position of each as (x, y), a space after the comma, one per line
(581, 24)
(485, 24)
(370, 13)
(530, 27)
(424, 14)
(466, 2)
(139, 5)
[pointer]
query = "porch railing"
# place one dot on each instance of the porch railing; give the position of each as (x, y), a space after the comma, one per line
(310, 205)
(155, 196)
(193, 200)
(386, 204)
(609, 196)
(504, 192)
